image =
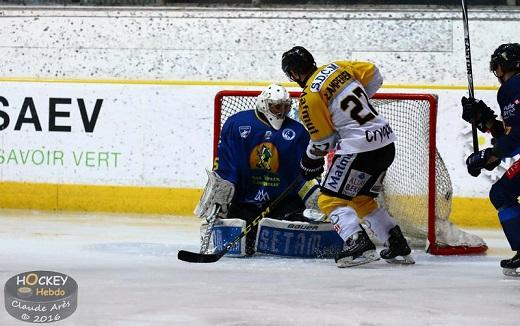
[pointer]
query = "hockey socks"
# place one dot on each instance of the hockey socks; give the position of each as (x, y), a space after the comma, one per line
(386, 230)
(510, 220)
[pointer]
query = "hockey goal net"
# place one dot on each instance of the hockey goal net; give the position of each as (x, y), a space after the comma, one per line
(417, 187)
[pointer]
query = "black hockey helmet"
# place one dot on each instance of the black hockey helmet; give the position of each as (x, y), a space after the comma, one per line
(507, 56)
(298, 60)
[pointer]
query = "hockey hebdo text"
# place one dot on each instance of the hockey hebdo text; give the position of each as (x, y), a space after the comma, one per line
(41, 296)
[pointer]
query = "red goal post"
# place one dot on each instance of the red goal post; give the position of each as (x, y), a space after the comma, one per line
(417, 190)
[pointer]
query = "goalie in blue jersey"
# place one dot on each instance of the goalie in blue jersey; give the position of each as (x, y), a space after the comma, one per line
(258, 158)
(504, 194)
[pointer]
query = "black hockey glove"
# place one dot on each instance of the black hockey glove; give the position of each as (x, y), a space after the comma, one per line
(473, 109)
(311, 168)
(477, 161)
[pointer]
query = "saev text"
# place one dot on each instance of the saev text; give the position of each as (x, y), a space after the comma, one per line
(59, 109)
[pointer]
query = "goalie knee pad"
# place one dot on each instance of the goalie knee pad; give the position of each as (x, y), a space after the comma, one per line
(297, 239)
(224, 231)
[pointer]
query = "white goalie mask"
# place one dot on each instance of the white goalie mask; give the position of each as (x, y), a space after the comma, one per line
(274, 103)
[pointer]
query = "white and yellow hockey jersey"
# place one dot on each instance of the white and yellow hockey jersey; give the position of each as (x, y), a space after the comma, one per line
(335, 109)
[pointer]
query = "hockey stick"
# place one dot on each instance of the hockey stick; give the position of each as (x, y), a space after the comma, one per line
(195, 257)
(211, 223)
(469, 71)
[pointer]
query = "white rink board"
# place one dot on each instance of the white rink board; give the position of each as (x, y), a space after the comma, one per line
(144, 135)
(161, 135)
(163, 132)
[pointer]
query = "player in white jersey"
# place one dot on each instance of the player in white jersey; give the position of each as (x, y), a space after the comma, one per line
(336, 110)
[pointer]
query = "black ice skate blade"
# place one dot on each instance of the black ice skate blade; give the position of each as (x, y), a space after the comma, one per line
(512, 272)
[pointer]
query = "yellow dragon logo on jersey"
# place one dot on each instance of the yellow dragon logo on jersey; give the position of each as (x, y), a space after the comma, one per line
(264, 156)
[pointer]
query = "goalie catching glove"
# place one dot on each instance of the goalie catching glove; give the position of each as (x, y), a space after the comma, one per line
(311, 168)
(217, 193)
(479, 160)
(478, 111)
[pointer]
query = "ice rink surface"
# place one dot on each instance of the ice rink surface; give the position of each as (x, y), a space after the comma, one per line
(127, 271)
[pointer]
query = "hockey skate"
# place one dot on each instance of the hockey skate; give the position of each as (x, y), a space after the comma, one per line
(358, 250)
(510, 266)
(398, 251)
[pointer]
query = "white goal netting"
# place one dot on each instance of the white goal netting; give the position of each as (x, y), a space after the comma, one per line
(417, 188)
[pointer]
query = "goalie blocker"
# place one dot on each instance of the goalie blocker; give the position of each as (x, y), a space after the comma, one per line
(279, 237)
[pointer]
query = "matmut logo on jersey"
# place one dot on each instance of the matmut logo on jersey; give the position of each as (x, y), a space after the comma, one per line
(317, 83)
(265, 156)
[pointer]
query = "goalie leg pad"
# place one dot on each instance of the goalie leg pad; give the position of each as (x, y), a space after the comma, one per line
(297, 239)
(225, 231)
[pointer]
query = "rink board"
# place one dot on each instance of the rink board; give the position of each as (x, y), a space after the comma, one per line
(143, 146)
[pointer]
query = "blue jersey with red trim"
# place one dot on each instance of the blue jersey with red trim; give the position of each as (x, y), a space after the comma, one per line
(508, 98)
(259, 160)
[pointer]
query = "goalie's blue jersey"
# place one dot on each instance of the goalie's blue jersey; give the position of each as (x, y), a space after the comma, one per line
(258, 159)
(508, 98)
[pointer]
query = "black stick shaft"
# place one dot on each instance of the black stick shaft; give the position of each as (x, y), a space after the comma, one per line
(469, 71)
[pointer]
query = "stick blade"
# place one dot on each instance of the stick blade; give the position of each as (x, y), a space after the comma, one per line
(195, 257)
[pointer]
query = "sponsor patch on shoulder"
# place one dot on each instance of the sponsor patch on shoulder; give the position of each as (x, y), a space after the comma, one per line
(244, 131)
(288, 134)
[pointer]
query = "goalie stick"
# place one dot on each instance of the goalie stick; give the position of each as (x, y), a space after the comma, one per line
(469, 71)
(195, 257)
